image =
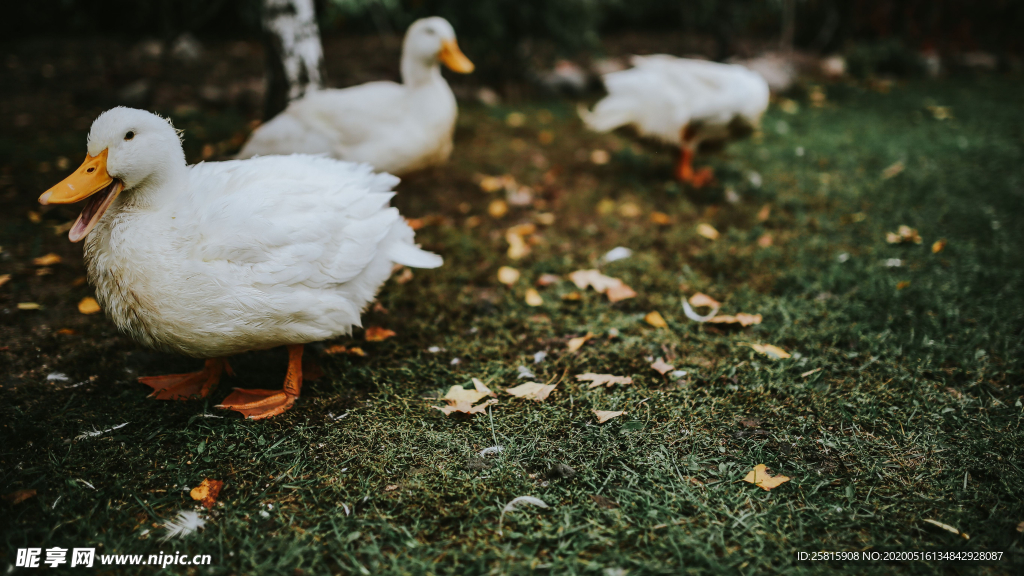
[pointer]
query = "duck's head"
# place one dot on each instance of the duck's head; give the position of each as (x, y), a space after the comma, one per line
(127, 149)
(430, 40)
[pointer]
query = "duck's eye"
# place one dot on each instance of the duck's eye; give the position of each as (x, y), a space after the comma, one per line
(91, 170)
(129, 135)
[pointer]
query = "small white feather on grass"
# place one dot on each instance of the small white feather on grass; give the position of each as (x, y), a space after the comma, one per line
(185, 524)
(514, 505)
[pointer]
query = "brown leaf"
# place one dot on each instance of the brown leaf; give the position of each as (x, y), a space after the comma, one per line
(762, 479)
(903, 284)
(378, 334)
(602, 502)
(460, 394)
(548, 279)
(893, 170)
(603, 379)
(532, 391)
(701, 299)
(577, 343)
(662, 367)
(405, 276)
(750, 422)
(764, 213)
(19, 496)
(619, 292)
(741, 319)
(207, 492)
(904, 234)
(463, 407)
(660, 218)
(4, 278)
(765, 241)
(708, 231)
(947, 528)
(769, 350)
(613, 288)
(655, 319)
(508, 275)
(606, 415)
(88, 305)
(391, 487)
(497, 208)
(937, 247)
(47, 260)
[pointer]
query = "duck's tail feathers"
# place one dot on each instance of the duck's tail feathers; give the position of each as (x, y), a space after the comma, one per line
(609, 114)
(413, 256)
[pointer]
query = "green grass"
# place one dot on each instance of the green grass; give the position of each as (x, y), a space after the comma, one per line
(899, 404)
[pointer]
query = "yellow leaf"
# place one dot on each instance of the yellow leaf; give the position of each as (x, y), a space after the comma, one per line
(769, 350)
(655, 319)
(902, 235)
(88, 305)
(545, 218)
(463, 407)
(702, 299)
(937, 247)
(762, 479)
(603, 379)
(517, 247)
(708, 231)
(4, 278)
(533, 298)
(606, 415)
(605, 206)
(497, 208)
(508, 275)
(893, 170)
(47, 260)
(28, 306)
(662, 367)
(574, 295)
(741, 319)
(764, 212)
(207, 492)
(377, 334)
(460, 394)
(629, 210)
(339, 349)
(532, 391)
(577, 343)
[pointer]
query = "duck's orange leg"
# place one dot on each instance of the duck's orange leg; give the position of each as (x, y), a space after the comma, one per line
(684, 169)
(257, 404)
(185, 386)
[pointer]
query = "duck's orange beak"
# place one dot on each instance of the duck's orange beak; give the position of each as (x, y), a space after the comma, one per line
(90, 178)
(454, 59)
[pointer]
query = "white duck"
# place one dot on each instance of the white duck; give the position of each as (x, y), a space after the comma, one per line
(395, 128)
(219, 258)
(683, 103)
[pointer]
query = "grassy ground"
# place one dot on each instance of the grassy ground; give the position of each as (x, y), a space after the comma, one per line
(901, 403)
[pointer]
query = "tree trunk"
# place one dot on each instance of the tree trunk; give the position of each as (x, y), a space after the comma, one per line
(295, 58)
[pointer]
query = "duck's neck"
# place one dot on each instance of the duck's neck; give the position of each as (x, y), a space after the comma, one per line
(162, 185)
(417, 73)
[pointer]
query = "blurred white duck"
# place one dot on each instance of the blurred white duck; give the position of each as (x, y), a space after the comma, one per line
(683, 103)
(395, 128)
(219, 258)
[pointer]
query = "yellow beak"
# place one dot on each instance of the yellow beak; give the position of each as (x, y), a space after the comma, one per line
(90, 178)
(454, 59)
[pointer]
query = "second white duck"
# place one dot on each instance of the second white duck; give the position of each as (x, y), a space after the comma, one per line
(396, 128)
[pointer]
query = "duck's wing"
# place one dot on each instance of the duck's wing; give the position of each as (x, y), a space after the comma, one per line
(330, 121)
(300, 222)
(644, 98)
(718, 93)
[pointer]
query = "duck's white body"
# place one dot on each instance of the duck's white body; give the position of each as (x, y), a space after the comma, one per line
(218, 258)
(681, 101)
(396, 128)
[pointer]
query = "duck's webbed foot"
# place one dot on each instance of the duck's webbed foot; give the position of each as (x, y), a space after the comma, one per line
(186, 386)
(257, 404)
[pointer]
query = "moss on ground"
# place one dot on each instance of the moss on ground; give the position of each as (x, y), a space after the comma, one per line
(901, 403)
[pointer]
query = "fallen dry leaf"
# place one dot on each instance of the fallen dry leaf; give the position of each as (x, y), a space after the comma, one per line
(655, 319)
(28, 306)
(606, 415)
(613, 288)
(577, 343)
(533, 298)
(603, 502)
(903, 235)
(88, 305)
(940, 112)
(603, 379)
(405, 276)
(619, 292)
(574, 295)
(508, 275)
(391, 487)
(769, 350)
(378, 334)
(765, 241)
(660, 218)
(516, 238)
(762, 479)
(629, 210)
(903, 284)
(19, 496)
(339, 349)
(893, 170)
(599, 157)
(662, 367)
(207, 492)
(459, 394)
(497, 208)
(937, 247)
(764, 212)
(548, 279)
(532, 391)
(741, 319)
(463, 407)
(479, 386)
(4, 278)
(708, 231)
(701, 299)
(47, 260)
(947, 528)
